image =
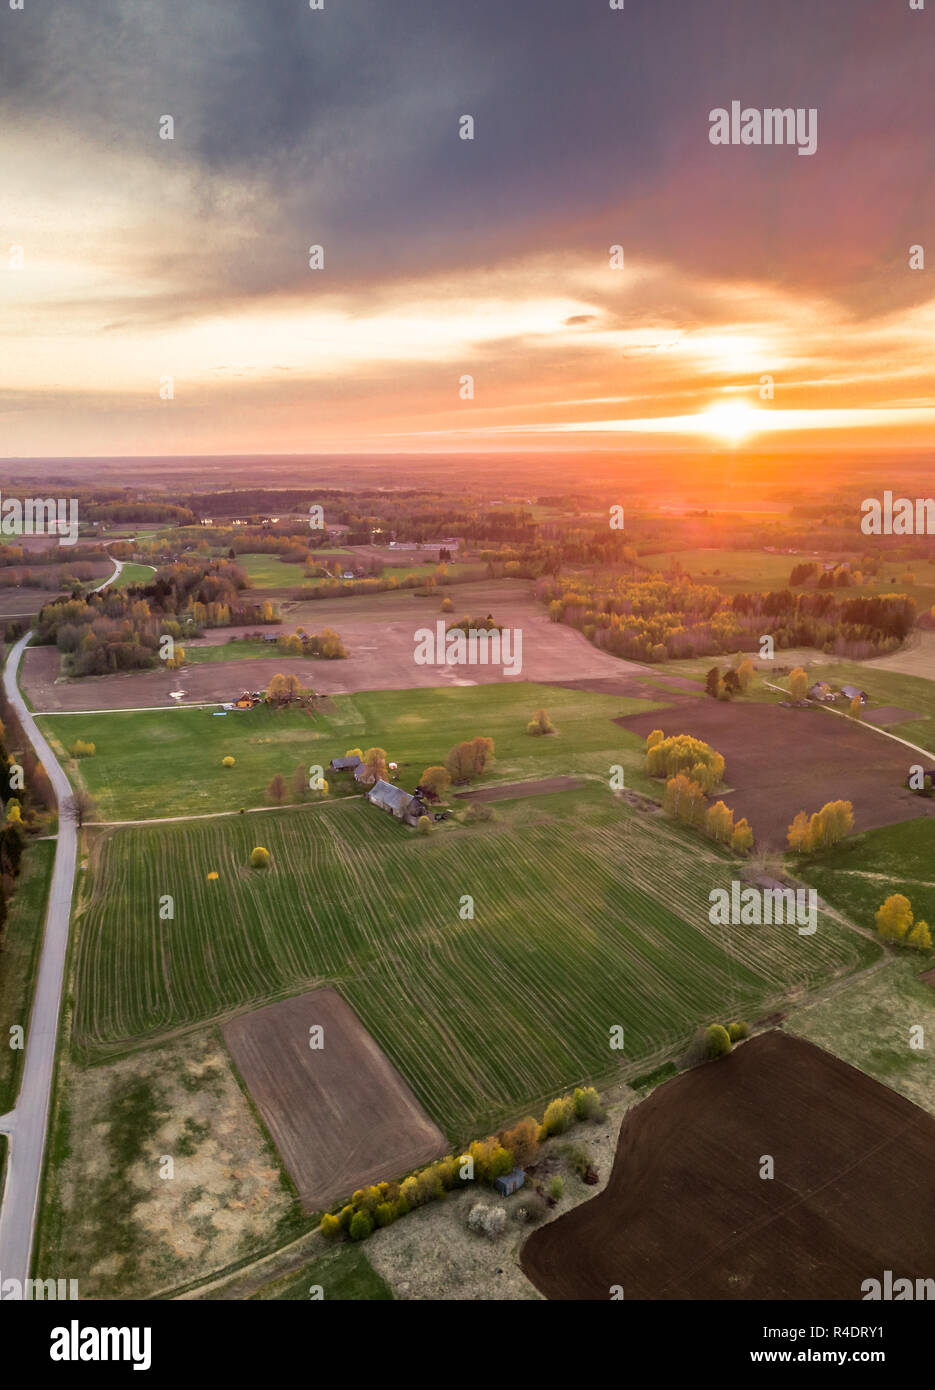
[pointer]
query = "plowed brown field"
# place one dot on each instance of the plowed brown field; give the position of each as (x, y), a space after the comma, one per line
(686, 1214)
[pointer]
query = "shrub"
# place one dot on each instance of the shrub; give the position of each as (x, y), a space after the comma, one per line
(578, 1156)
(228, 761)
(540, 723)
(587, 1104)
(737, 1031)
(330, 1225)
(447, 605)
(529, 1208)
(556, 1187)
(426, 825)
(559, 1115)
(80, 749)
(259, 859)
(479, 812)
(522, 1141)
(717, 1040)
(487, 1221)
(361, 1225)
(386, 1213)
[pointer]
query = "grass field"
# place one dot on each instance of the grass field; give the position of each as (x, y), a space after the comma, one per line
(21, 940)
(269, 572)
(860, 873)
(226, 651)
(870, 1026)
(168, 762)
(133, 574)
(343, 1273)
(587, 916)
(740, 571)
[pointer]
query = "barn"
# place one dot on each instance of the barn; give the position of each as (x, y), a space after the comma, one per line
(403, 805)
(853, 692)
(345, 764)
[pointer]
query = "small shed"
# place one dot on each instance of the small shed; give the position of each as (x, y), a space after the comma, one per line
(511, 1183)
(345, 764)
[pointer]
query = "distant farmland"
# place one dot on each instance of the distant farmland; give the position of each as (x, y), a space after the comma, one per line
(587, 915)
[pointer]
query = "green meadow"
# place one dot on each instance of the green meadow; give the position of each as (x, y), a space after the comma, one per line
(587, 915)
(857, 875)
(169, 762)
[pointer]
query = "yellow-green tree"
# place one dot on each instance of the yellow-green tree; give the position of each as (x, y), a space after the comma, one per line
(797, 834)
(374, 760)
(920, 936)
(894, 917)
(798, 683)
(745, 674)
(855, 707)
(719, 822)
(741, 841)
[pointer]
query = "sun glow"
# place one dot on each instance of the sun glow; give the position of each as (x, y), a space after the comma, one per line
(731, 420)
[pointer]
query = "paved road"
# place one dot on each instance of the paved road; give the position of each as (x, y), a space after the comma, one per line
(27, 1123)
(109, 580)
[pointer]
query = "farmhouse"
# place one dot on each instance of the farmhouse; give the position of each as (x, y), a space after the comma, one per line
(822, 691)
(345, 764)
(852, 692)
(402, 804)
(363, 774)
(509, 1184)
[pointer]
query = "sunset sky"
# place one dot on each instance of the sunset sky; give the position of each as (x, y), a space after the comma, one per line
(145, 258)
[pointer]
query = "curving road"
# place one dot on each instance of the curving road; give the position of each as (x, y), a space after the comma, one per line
(26, 1124)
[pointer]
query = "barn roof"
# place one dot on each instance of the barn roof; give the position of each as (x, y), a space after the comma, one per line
(390, 798)
(851, 690)
(342, 764)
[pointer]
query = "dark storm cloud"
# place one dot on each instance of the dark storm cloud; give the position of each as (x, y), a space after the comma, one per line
(591, 127)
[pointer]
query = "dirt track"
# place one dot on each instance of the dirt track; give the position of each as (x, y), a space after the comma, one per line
(341, 1115)
(782, 761)
(687, 1215)
(515, 791)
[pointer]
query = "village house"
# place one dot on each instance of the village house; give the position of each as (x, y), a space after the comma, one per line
(345, 764)
(821, 690)
(403, 805)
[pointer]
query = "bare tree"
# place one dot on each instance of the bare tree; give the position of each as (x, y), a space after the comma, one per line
(84, 805)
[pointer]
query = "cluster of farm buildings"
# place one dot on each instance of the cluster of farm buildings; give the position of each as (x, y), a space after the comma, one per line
(408, 807)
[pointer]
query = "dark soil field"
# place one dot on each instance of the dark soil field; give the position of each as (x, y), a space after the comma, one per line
(782, 761)
(889, 714)
(686, 1214)
(341, 1116)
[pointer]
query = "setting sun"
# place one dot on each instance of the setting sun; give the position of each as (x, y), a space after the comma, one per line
(731, 420)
